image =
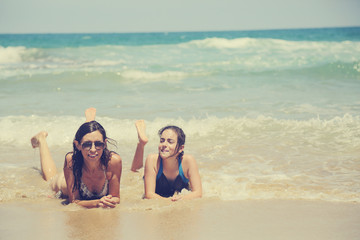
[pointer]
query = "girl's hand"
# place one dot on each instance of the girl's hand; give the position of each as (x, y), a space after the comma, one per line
(176, 198)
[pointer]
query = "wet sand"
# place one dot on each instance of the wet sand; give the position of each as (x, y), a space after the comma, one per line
(199, 219)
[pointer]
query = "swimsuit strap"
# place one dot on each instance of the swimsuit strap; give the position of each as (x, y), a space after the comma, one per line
(181, 173)
(160, 169)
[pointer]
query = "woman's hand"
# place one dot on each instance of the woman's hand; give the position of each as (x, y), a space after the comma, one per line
(107, 202)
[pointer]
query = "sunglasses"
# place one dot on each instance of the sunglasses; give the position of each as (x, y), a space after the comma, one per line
(87, 145)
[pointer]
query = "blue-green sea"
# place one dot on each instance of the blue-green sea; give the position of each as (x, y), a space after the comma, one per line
(268, 114)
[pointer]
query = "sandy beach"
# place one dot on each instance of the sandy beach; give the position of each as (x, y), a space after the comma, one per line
(271, 117)
(199, 219)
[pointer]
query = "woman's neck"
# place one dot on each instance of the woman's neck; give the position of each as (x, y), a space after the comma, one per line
(92, 167)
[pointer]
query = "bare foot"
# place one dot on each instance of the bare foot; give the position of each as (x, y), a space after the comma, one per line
(141, 130)
(35, 140)
(90, 114)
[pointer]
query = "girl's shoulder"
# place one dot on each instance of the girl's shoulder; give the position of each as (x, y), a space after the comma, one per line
(188, 161)
(188, 158)
(152, 159)
(152, 156)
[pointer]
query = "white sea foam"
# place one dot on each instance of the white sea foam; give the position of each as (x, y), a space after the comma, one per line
(269, 44)
(223, 43)
(238, 158)
(11, 54)
(151, 76)
(341, 133)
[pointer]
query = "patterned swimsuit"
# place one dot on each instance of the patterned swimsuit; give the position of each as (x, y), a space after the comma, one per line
(86, 194)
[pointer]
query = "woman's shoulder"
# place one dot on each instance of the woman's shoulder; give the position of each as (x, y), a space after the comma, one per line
(68, 160)
(114, 155)
(115, 158)
(69, 155)
(115, 164)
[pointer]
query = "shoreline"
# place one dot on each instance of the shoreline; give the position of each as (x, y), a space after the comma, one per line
(197, 219)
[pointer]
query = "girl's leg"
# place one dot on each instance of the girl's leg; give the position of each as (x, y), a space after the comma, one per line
(139, 153)
(48, 166)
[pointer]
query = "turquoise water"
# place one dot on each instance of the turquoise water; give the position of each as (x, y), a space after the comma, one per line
(139, 39)
(277, 109)
(296, 74)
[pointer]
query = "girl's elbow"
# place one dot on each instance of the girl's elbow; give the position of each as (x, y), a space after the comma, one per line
(148, 195)
(199, 194)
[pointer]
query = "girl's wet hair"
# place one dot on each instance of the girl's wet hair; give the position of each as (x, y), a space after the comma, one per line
(78, 159)
(180, 137)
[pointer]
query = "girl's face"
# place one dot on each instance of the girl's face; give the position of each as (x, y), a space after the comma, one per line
(168, 144)
(92, 146)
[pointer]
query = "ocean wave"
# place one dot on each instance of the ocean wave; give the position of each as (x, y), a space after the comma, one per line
(273, 185)
(345, 130)
(11, 54)
(268, 43)
(197, 57)
(301, 68)
(117, 70)
(144, 76)
(222, 43)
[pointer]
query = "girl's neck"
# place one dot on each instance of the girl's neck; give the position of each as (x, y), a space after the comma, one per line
(171, 163)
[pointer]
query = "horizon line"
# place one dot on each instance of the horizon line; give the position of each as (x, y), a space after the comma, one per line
(180, 31)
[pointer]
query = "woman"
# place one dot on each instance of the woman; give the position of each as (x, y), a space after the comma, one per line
(92, 173)
(170, 170)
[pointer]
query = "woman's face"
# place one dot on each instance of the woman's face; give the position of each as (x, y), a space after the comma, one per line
(92, 146)
(168, 144)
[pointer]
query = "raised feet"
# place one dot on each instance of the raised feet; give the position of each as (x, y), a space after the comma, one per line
(141, 130)
(35, 140)
(90, 114)
(139, 153)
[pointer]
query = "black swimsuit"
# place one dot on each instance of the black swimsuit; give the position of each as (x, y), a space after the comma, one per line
(166, 187)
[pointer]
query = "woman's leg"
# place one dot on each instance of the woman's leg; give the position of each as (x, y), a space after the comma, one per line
(139, 153)
(58, 183)
(90, 114)
(48, 166)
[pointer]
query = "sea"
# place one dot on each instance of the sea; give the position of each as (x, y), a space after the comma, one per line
(268, 114)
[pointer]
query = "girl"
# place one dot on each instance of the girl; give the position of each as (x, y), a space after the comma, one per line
(170, 170)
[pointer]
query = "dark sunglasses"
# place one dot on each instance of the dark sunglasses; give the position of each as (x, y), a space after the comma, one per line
(87, 145)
